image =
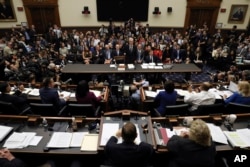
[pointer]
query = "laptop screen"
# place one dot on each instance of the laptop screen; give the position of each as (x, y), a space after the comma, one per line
(233, 86)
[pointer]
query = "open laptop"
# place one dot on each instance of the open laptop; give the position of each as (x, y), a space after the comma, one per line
(233, 87)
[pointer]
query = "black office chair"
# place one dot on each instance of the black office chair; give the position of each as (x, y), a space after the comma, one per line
(235, 108)
(82, 110)
(178, 109)
(45, 109)
(9, 109)
(210, 109)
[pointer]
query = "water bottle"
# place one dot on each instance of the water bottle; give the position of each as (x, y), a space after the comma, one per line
(44, 123)
(97, 128)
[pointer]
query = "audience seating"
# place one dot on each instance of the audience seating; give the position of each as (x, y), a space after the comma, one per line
(235, 108)
(45, 109)
(9, 109)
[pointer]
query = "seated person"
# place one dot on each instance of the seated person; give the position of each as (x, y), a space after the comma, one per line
(127, 153)
(192, 148)
(240, 97)
(18, 99)
(50, 95)
(84, 96)
(8, 160)
(135, 97)
(165, 98)
(200, 96)
(140, 81)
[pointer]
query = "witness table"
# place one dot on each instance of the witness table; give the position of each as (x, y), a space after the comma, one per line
(105, 68)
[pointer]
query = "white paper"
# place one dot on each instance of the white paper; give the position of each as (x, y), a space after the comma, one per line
(245, 135)
(77, 138)
(217, 134)
(170, 133)
(89, 142)
(108, 130)
(150, 93)
(4, 131)
(64, 94)
(96, 92)
(35, 140)
(235, 139)
(60, 140)
(19, 140)
(34, 92)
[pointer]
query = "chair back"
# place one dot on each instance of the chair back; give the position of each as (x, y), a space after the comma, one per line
(119, 59)
(9, 109)
(235, 108)
(178, 109)
(44, 109)
(211, 109)
(80, 110)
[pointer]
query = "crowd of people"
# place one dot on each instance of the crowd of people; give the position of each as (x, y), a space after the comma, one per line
(29, 57)
(25, 53)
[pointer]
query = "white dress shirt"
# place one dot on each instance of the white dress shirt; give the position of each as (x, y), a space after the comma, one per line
(201, 98)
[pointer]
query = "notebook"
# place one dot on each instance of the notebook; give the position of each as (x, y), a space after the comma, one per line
(4, 131)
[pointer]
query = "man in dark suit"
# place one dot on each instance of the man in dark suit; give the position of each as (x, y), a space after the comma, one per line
(178, 54)
(139, 54)
(151, 58)
(130, 50)
(18, 99)
(49, 95)
(127, 153)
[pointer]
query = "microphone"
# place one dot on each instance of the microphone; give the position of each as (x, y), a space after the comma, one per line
(67, 81)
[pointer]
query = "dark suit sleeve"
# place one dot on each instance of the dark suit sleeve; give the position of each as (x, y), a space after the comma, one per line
(174, 143)
(13, 163)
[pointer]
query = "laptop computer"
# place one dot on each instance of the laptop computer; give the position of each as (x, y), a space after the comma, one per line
(233, 87)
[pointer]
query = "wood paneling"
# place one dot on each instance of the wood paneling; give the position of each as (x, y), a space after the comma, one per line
(200, 11)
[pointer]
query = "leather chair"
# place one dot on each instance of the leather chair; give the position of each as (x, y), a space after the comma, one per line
(9, 109)
(178, 109)
(45, 109)
(87, 110)
(119, 59)
(235, 108)
(210, 109)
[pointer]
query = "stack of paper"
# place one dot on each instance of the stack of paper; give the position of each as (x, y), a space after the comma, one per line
(19, 140)
(66, 139)
(150, 93)
(217, 134)
(239, 138)
(89, 142)
(4, 131)
(34, 92)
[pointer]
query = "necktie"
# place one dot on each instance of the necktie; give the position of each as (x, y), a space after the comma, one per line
(178, 54)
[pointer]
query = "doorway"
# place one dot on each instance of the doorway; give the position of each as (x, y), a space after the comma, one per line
(202, 11)
(42, 14)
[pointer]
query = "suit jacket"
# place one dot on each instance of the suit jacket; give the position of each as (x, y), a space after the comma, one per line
(186, 152)
(181, 54)
(149, 60)
(18, 101)
(128, 154)
(130, 54)
(13, 163)
(51, 96)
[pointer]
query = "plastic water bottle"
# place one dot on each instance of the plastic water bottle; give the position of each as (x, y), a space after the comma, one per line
(44, 123)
